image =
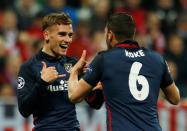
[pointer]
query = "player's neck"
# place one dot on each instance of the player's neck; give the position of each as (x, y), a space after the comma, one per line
(46, 49)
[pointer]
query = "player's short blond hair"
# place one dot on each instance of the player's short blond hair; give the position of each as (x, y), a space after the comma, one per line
(55, 18)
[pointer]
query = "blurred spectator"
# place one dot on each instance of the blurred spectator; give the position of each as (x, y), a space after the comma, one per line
(101, 11)
(85, 11)
(9, 30)
(6, 92)
(81, 42)
(12, 66)
(133, 7)
(182, 26)
(99, 41)
(24, 45)
(60, 6)
(167, 12)
(36, 46)
(155, 38)
(35, 30)
(3, 56)
(176, 53)
(183, 4)
(26, 11)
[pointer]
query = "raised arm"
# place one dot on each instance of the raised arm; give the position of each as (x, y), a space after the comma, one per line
(77, 89)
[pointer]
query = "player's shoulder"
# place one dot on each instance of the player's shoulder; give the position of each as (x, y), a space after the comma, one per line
(153, 54)
(105, 52)
(27, 65)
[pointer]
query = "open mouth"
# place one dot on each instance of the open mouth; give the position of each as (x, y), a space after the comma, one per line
(64, 46)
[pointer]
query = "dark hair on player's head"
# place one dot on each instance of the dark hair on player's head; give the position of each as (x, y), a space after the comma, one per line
(55, 18)
(122, 25)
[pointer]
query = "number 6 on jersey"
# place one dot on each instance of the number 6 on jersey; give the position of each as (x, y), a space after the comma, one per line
(133, 77)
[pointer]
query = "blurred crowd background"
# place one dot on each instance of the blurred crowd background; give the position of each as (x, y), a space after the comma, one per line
(161, 26)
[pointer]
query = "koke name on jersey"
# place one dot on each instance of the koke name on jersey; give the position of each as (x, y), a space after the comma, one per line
(133, 54)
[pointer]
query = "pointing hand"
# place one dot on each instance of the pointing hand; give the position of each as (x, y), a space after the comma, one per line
(81, 63)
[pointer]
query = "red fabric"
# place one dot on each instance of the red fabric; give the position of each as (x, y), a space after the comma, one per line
(23, 49)
(35, 32)
(109, 116)
(173, 119)
(8, 129)
(127, 45)
(79, 44)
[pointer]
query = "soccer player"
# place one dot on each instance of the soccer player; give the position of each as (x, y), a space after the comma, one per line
(42, 81)
(131, 77)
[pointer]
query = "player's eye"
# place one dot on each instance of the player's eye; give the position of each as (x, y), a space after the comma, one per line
(70, 35)
(62, 33)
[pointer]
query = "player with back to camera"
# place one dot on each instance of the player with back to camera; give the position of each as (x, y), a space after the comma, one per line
(42, 81)
(131, 77)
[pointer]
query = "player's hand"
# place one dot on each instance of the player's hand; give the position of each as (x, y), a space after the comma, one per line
(98, 86)
(81, 64)
(50, 74)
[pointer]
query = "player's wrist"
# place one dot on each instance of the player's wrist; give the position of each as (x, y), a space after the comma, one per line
(43, 82)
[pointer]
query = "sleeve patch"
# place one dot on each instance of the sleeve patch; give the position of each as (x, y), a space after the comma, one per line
(21, 83)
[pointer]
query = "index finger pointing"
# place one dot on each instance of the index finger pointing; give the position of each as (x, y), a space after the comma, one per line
(83, 56)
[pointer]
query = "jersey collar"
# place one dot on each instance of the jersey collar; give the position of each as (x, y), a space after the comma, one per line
(44, 55)
(128, 44)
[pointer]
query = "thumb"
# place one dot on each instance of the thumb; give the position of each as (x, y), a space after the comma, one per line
(44, 65)
(83, 56)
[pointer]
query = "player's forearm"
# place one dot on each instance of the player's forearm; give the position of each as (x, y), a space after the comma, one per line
(172, 94)
(72, 87)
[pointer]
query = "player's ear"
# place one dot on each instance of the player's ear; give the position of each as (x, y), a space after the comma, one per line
(110, 34)
(46, 35)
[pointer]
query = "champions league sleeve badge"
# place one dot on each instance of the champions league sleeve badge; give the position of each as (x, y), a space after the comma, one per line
(21, 82)
(67, 67)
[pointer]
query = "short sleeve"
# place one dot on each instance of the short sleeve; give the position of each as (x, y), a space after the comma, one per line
(94, 71)
(167, 78)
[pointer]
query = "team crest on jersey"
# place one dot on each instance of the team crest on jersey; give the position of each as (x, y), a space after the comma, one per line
(21, 82)
(67, 67)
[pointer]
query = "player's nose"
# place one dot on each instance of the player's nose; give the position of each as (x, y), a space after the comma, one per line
(68, 39)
